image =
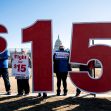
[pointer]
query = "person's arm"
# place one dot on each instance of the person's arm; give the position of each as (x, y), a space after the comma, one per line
(53, 57)
(5, 55)
(30, 62)
(70, 68)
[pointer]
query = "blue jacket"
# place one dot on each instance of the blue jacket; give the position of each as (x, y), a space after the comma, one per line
(61, 61)
(4, 59)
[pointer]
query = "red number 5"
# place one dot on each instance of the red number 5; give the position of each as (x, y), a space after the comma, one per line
(82, 53)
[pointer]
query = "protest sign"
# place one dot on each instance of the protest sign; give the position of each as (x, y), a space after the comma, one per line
(20, 65)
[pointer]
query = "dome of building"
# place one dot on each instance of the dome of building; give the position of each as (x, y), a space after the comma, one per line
(57, 43)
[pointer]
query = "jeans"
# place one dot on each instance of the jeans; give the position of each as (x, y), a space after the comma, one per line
(5, 76)
(23, 85)
(61, 77)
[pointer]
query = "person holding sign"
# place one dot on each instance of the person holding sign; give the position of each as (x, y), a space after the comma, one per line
(21, 64)
(4, 70)
(61, 68)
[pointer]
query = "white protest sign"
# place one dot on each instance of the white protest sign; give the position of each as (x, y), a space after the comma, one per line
(20, 65)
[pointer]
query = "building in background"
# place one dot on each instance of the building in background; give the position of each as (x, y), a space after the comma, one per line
(57, 44)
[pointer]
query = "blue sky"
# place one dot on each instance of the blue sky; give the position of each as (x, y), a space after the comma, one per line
(18, 14)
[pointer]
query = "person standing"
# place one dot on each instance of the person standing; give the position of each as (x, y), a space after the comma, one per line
(4, 70)
(61, 68)
(23, 74)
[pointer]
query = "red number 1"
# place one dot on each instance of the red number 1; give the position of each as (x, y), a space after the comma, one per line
(40, 35)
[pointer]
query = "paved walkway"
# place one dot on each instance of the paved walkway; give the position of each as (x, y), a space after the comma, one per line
(71, 88)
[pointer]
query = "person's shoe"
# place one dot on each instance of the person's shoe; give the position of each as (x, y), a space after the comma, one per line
(77, 94)
(26, 94)
(44, 95)
(58, 93)
(65, 93)
(8, 93)
(93, 94)
(39, 95)
(20, 94)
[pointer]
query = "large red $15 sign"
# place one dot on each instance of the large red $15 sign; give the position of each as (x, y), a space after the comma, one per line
(40, 35)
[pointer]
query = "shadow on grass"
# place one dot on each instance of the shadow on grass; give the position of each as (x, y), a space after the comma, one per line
(54, 103)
